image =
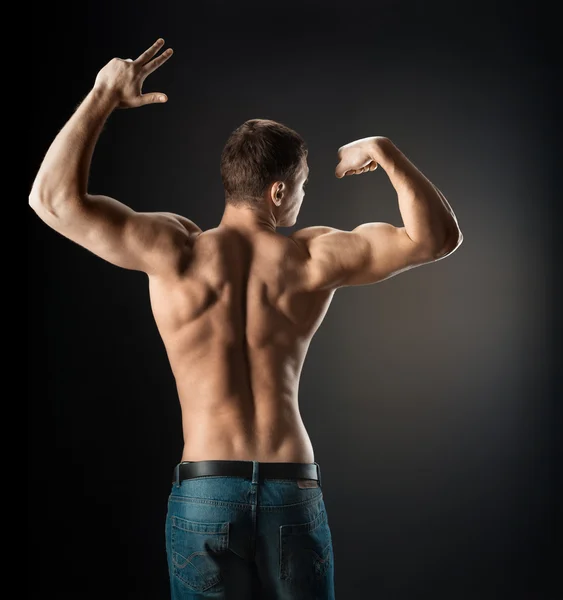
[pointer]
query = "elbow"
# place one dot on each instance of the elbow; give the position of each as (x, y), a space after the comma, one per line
(39, 196)
(37, 200)
(454, 241)
(40, 193)
(41, 204)
(35, 196)
(51, 205)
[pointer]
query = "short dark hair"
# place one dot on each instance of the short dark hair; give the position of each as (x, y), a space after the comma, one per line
(257, 153)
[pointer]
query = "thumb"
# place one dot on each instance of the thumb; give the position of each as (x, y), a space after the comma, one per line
(341, 169)
(152, 98)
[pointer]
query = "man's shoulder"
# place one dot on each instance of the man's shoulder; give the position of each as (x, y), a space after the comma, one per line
(308, 233)
(188, 224)
(302, 237)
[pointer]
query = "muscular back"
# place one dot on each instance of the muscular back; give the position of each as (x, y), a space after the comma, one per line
(236, 311)
(236, 324)
(237, 307)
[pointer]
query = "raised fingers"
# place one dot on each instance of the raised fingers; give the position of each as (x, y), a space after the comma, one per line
(157, 62)
(148, 54)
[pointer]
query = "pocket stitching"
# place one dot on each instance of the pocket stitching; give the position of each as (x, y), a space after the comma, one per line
(222, 544)
(321, 562)
(193, 526)
(304, 527)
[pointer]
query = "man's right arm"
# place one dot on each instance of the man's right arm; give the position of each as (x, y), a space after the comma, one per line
(373, 252)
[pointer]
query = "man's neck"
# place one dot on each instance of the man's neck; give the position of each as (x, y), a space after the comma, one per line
(248, 219)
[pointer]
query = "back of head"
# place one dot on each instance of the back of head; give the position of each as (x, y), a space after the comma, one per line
(258, 153)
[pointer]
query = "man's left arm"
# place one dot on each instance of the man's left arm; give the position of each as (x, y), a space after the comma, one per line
(149, 242)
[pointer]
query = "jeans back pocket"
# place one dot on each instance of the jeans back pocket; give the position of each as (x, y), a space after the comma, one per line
(196, 550)
(306, 554)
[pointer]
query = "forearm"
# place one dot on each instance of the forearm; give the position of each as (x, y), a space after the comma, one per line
(427, 216)
(64, 172)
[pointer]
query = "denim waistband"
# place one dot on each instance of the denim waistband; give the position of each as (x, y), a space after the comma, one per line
(249, 469)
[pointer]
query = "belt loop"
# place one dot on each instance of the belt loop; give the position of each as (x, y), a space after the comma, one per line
(177, 475)
(319, 474)
(255, 471)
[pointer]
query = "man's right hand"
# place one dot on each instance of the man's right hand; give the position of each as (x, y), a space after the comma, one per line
(123, 79)
(358, 157)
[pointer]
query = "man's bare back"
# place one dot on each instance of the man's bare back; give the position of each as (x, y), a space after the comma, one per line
(237, 305)
(236, 325)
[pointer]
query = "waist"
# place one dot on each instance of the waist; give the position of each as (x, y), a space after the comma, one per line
(228, 438)
(254, 470)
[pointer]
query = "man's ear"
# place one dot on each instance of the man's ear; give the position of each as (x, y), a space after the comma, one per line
(277, 192)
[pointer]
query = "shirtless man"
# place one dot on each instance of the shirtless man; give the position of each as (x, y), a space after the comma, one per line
(237, 306)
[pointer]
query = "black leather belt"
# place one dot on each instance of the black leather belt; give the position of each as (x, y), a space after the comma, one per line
(243, 468)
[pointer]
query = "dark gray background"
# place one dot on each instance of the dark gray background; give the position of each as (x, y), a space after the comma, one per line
(430, 398)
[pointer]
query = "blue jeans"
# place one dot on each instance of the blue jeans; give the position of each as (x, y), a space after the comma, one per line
(238, 538)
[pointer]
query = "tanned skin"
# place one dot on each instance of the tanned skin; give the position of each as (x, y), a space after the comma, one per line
(237, 305)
